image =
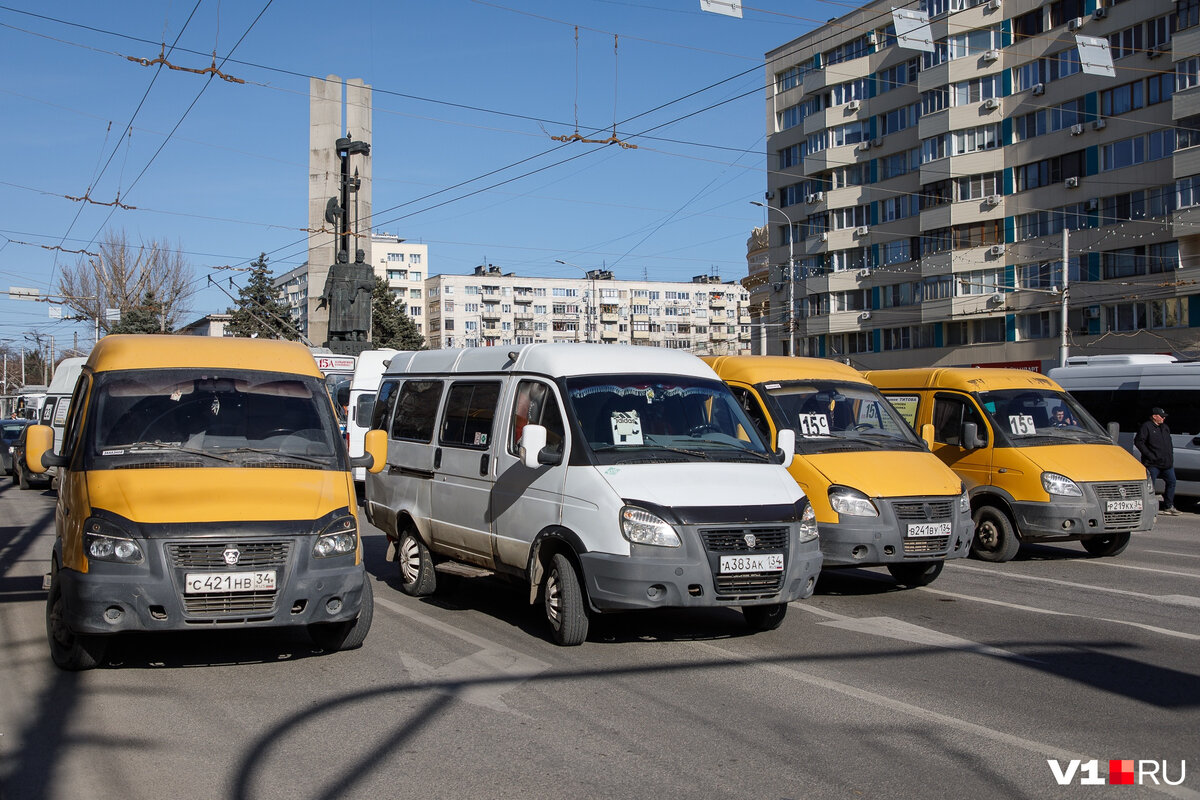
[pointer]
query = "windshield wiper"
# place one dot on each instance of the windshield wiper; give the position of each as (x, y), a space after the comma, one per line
(278, 455)
(134, 447)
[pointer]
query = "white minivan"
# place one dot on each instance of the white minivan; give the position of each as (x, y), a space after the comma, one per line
(361, 400)
(605, 477)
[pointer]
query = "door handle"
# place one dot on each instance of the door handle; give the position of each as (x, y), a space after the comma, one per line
(437, 457)
(483, 464)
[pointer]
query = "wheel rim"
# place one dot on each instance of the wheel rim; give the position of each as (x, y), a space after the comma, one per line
(553, 599)
(987, 535)
(410, 559)
(58, 629)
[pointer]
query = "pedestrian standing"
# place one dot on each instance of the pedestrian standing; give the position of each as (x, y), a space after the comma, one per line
(1153, 441)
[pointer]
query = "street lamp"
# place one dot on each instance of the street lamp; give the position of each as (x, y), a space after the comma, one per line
(591, 295)
(791, 277)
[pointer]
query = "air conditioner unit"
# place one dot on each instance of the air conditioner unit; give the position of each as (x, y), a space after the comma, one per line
(996, 299)
(991, 55)
(1075, 24)
(993, 200)
(810, 197)
(1099, 124)
(861, 230)
(824, 236)
(1156, 51)
(1091, 205)
(1076, 129)
(993, 5)
(872, 37)
(865, 144)
(1100, 13)
(1038, 88)
(1071, 183)
(991, 104)
(1091, 312)
(853, 105)
(865, 315)
(877, 142)
(996, 250)
(864, 273)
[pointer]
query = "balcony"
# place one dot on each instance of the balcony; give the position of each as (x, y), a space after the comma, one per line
(641, 336)
(717, 301)
(609, 317)
(609, 336)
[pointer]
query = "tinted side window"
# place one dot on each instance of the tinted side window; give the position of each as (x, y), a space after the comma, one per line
(949, 414)
(416, 410)
(384, 403)
(75, 416)
(753, 409)
(535, 403)
(470, 411)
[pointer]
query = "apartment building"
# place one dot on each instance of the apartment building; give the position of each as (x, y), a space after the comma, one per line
(495, 308)
(924, 196)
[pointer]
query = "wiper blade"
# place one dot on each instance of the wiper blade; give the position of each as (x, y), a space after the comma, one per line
(277, 454)
(134, 447)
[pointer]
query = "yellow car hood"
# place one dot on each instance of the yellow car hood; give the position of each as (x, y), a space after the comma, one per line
(1086, 463)
(218, 494)
(897, 473)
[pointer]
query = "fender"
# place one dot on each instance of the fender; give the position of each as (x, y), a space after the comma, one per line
(994, 496)
(406, 520)
(557, 536)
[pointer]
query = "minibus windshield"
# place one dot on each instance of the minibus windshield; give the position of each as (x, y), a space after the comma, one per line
(829, 416)
(1033, 417)
(210, 418)
(645, 419)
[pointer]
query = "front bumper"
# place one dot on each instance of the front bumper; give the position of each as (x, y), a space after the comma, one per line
(1089, 515)
(875, 541)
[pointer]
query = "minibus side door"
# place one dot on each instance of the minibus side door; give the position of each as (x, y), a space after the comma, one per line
(949, 414)
(463, 470)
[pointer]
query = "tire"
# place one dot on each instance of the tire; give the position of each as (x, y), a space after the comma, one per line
(922, 573)
(22, 478)
(562, 598)
(1110, 544)
(995, 540)
(417, 575)
(69, 650)
(335, 636)
(764, 618)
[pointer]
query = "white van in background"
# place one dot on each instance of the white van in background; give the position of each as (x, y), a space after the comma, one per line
(601, 477)
(58, 397)
(361, 400)
(1123, 389)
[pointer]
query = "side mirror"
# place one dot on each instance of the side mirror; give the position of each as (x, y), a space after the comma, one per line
(786, 446)
(374, 456)
(970, 436)
(1114, 431)
(533, 439)
(927, 435)
(39, 449)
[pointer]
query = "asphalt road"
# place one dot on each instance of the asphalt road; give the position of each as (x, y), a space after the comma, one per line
(962, 689)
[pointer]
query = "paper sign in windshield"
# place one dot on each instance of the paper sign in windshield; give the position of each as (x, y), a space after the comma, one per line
(626, 427)
(1021, 424)
(814, 425)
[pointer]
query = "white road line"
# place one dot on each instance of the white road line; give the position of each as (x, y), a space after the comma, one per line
(1154, 629)
(1040, 749)
(1171, 599)
(1174, 553)
(1104, 562)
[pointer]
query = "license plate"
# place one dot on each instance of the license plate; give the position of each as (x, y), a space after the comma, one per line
(917, 529)
(210, 582)
(1123, 505)
(765, 562)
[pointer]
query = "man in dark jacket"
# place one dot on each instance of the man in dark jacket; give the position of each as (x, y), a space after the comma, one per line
(1153, 441)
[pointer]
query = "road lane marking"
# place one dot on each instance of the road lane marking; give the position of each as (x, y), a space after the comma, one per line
(1176, 554)
(1107, 563)
(1032, 609)
(1040, 749)
(1171, 599)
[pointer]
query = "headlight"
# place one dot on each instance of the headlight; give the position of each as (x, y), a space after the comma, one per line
(808, 524)
(641, 527)
(1054, 483)
(851, 502)
(338, 539)
(964, 502)
(104, 541)
(1149, 483)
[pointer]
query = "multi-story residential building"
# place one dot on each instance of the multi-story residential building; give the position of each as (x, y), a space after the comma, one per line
(494, 308)
(924, 195)
(404, 266)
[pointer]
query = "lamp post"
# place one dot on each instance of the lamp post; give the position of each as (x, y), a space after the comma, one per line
(791, 277)
(587, 321)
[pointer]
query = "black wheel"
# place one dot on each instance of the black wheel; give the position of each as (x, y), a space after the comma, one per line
(1110, 544)
(334, 636)
(562, 597)
(22, 478)
(69, 650)
(995, 539)
(417, 576)
(922, 573)
(765, 618)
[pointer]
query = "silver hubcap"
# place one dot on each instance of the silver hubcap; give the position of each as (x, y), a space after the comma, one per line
(410, 560)
(553, 599)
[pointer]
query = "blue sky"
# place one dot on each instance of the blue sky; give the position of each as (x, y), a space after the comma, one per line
(462, 88)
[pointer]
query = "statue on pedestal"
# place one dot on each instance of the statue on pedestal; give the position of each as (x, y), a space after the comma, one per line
(347, 295)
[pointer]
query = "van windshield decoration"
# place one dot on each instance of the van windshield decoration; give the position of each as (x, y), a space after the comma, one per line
(1032, 417)
(201, 418)
(830, 416)
(649, 419)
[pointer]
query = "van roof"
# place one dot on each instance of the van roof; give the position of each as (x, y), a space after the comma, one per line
(554, 359)
(964, 379)
(756, 369)
(65, 375)
(155, 351)
(371, 364)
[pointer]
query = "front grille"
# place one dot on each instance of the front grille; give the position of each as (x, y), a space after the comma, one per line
(225, 603)
(727, 541)
(1117, 491)
(932, 544)
(211, 555)
(923, 511)
(1122, 519)
(189, 464)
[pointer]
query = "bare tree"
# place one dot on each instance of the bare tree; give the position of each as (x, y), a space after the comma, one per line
(122, 276)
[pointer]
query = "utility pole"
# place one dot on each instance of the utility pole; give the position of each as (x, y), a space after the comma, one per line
(790, 276)
(1066, 278)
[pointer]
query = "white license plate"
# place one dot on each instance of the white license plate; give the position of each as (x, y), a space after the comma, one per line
(210, 582)
(765, 562)
(928, 529)
(1123, 505)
